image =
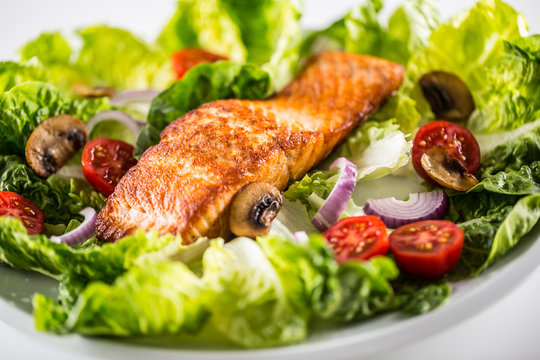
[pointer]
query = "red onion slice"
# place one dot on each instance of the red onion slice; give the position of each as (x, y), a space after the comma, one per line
(420, 206)
(83, 232)
(340, 195)
(115, 115)
(134, 96)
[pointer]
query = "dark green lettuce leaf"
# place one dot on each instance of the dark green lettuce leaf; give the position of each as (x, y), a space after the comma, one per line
(421, 299)
(365, 288)
(493, 223)
(511, 161)
(27, 105)
(58, 198)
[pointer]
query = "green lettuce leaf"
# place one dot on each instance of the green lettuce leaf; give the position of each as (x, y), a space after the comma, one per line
(366, 288)
(106, 262)
(415, 296)
(49, 48)
(361, 30)
(263, 32)
(58, 198)
(250, 303)
(156, 299)
(308, 272)
(12, 74)
(27, 105)
(477, 46)
(493, 223)
(529, 44)
(510, 98)
(510, 161)
(115, 57)
(376, 148)
(108, 57)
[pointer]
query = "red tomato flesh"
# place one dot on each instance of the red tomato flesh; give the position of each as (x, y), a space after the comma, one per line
(185, 59)
(459, 142)
(428, 248)
(357, 238)
(105, 161)
(14, 205)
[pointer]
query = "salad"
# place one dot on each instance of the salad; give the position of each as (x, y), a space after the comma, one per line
(461, 136)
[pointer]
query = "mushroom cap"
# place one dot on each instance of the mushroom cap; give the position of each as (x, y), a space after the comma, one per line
(254, 208)
(449, 97)
(54, 142)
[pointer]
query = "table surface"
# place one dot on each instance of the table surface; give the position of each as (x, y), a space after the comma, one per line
(508, 329)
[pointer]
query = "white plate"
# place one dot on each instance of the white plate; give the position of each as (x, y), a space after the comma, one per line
(25, 19)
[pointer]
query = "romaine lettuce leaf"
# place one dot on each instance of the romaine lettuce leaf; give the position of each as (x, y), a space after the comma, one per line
(115, 57)
(366, 288)
(27, 105)
(492, 223)
(376, 148)
(58, 198)
(263, 32)
(362, 32)
(49, 48)
(509, 97)
(307, 270)
(156, 299)
(108, 57)
(419, 300)
(105, 263)
(12, 74)
(476, 45)
(250, 303)
(511, 161)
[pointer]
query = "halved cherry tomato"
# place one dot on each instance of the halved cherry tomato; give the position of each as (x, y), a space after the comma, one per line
(185, 59)
(357, 238)
(12, 204)
(459, 142)
(105, 161)
(428, 248)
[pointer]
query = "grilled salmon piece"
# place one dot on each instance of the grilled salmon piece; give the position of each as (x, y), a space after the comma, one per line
(184, 184)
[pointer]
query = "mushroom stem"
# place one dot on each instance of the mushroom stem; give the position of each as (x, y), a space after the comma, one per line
(253, 209)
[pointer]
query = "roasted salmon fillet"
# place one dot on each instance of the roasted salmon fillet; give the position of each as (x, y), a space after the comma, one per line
(184, 184)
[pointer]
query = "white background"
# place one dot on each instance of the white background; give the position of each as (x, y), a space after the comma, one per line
(508, 330)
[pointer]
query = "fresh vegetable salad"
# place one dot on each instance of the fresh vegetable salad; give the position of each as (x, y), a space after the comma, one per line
(462, 135)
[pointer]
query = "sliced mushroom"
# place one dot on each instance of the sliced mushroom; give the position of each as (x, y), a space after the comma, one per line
(253, 209)
(86, 91)
(54, 142)
(448, 96)
(446, 170)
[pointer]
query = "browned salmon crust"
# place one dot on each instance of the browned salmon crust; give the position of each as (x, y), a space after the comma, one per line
(184, 184)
